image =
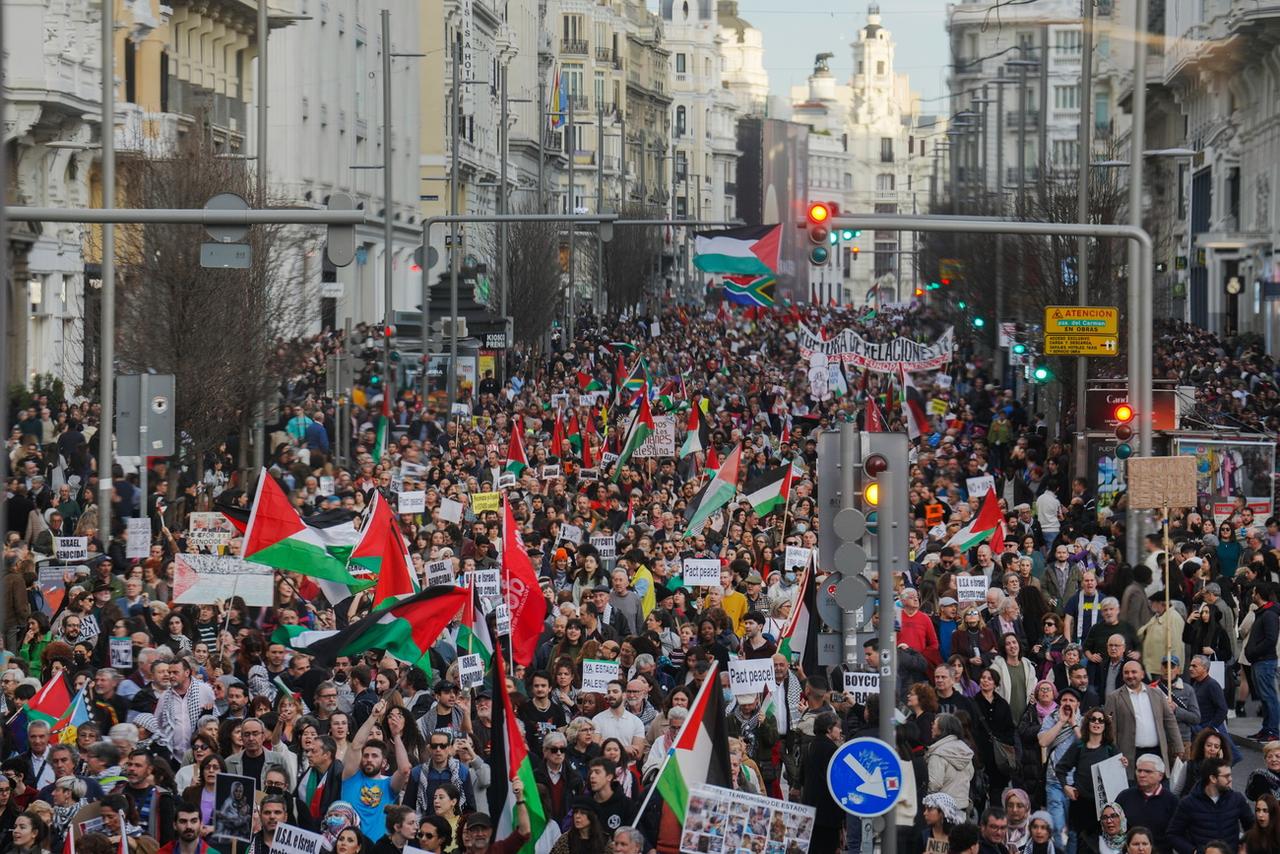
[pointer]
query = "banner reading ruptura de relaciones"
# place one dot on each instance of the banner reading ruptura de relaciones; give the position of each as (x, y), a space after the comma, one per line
(889, 357)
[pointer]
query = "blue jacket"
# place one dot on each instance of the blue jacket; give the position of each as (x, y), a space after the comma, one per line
(1212, 701)
(1198, 820)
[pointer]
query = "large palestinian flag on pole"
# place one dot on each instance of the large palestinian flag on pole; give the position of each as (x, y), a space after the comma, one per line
(508, 762)
(799, 638)
(521, 590)
(473, 630)
(718, 492)
(699, 436)
(277, 537)
(771, 490)
(745, 251)
(517, 462)
(384, 554)
(640, 428)
(406, 630)
(989, 523)
(699, 757)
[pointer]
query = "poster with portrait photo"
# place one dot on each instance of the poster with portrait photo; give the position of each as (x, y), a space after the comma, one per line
(233, 807)
(723, 821)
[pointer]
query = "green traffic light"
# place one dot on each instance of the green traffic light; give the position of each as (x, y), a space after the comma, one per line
(819, 255)
(835, 238)
(1019, 349)
(848, 234)
(978, 322)
(1124, 450)
(1041, 374)
(962, 305)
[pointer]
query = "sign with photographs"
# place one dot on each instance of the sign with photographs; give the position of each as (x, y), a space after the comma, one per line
(204, 579)
(233, 807)
(122, 654)
(209, 530)
(724, 821)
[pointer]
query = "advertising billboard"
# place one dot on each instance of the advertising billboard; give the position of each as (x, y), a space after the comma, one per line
(772, 174)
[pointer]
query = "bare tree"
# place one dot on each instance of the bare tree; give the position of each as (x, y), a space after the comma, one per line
(631, 258)
(215, 330)
(535, 282)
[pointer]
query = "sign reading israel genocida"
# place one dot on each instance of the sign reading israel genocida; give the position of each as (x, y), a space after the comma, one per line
(887, 357)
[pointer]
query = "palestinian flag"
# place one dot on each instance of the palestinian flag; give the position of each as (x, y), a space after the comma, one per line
(52, 704)
(771, 490)
(989, 523)
(383, 553)
(517, 462)
(406, 630)
(641, 428)
(473, 631)
(699, 436)
(718, 492)
(587, 383)
(799, 638)
(332, 526)
(751, 290)
(381, 437)
(748, 251)
(574, 432)
(710, 462)
(509, 761)
(913, 411)
(285, 635)
(521, 590)
(276, 536)
(699, 757)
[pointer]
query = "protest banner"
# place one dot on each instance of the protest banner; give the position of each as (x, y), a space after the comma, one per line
(550, 472)
(122, 654)
(606, 547)
(1109, 780)
(450, 510)
(412, 502)
(486, 502)
(488, 583)
(506, 480)
(137, 544)
(701, 572)
(662, 441)
(750, 675)
(233, 807)
(53, 589)
(979, 486)
(971, 588)
(596, 675)
(502, 619)
(209, 530)
(439, 572)
(326, 484)
(71, 548)
(204, 579)
(470, 671)
(571, 534)
(295, 840)
(728, 821)
(797, 557)
(883, 357)
(861, 686)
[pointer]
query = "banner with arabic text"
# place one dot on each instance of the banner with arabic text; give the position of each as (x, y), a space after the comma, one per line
(887, 357)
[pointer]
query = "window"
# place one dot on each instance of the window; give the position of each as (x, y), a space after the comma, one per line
(886, 149)
(886, 258)
(1064, 153)
(884, 182)
(1027, 45)
(848, 180)
(880, 68)
(599, 89)
(1101, 112)
(573, 80)
(359, 78)
(1067, 43)
(680, 63)
(1066, 97)
(573, 29)
(681, 117)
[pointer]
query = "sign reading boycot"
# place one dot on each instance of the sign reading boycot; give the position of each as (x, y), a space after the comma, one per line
(889, 357)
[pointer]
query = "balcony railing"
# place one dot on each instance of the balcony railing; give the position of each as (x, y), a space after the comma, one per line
(574, 47)
(1013, 117)
(606, 54)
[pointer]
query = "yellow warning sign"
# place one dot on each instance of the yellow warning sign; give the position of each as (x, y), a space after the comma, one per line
(1077, 319)
(1077, 344)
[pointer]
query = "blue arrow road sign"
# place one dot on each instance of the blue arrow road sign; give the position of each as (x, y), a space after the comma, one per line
(865, 777)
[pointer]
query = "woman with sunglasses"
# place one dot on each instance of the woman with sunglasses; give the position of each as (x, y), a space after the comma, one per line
(1097, 743)
(435, 835)
(202, 746)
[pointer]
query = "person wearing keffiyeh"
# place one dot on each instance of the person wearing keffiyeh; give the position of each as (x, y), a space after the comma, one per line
(181, 706)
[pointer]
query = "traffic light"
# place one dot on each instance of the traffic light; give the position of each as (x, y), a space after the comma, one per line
(962, 305)
(1123, 415)
(849, 233)
(1041, 373)
(819, 233)
(1019, 349)
(873, 466)
(978, 322)
(919, 292)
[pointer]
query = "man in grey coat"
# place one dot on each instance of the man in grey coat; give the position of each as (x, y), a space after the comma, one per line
(1182, 702)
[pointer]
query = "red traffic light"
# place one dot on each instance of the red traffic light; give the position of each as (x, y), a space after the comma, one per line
(875, 465)
(1123, 413)
(819, 212)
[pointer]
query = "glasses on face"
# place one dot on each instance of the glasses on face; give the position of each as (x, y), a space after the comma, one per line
(554, 749)
(435, 746)
(1097, 720)
(427, 834)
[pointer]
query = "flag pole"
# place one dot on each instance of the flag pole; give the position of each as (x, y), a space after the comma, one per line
(786, 506)
(1168, 636)
(712, 681)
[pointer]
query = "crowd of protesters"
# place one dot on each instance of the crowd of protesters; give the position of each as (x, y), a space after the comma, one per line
(1071, 656)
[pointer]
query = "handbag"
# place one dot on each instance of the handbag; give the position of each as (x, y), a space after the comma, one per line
(1006, 757)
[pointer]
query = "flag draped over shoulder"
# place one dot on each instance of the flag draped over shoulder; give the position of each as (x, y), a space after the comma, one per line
(509, 762)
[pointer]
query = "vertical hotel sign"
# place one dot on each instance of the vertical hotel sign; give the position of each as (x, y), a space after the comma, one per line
(468, 70)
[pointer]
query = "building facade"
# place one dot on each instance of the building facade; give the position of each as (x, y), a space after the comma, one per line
(743, 72)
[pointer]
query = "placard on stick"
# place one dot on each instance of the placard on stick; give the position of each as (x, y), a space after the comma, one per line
(1158, 482)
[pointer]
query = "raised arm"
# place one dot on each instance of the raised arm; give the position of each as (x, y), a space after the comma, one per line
(351, 761)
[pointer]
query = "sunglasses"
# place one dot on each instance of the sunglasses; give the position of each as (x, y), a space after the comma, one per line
(1097, 720)
(555, 749)
(439, 746)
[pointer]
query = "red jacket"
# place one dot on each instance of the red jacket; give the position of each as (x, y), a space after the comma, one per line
(918, 633)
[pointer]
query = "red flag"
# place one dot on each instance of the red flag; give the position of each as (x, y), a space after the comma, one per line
(520, 588)
(874, 418)
(588, 461)
(557, 436)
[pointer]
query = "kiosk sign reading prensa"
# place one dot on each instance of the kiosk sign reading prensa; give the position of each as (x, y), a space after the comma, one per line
(865, 777)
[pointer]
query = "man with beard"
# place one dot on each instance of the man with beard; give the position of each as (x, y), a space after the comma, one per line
(364, 786)
(187, 839)
(616, 722)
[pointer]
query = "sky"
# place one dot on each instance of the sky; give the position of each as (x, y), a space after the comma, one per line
(796, 30)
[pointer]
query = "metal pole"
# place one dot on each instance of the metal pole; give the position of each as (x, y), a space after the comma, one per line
(106, 371)
(388, 224)
(571, 300)
(986, 123)
(622, 162)
(1042, 181)
(1000, 212)
(1082, 206)
(142, 444)
(264, 36)
(599, 288)
(1140, 273)
(455, 256)
(891, 548)
(503, 142)
(542, 141)
(4, 322)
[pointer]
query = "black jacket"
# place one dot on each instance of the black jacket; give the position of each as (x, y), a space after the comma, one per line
(332, 792)
(1152, 812)
(1264, 634)
(816, 793)
(1198, 820)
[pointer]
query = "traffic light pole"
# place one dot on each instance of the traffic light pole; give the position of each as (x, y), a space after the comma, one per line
(891, 556)
(1140, 322)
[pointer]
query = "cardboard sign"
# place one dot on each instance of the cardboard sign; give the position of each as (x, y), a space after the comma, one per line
(728, 821)
(439, 572)
(596, 675)
(1157, 482)
(49, 577)
(586, 475)
(701, 572)
(861, 686)
(979, 486)
(209, 530)
(326, 484)
(796, 557)
(487, 582)
(560, 400)
(486, 502)
(413, 502)
(502, 619)
(122, 654)
(662, 441)
(586, 400)
(607, 459)
(413, 470)
(750, 676)
(295, 840)
(450, 510)
(71, 548)
(971, 588)
(606, 547)
(1109, 780)
(550, 472)
(571, 534)
(138, 542)
(506, 480)
(470, 670)
(233, 819)
(204, 579)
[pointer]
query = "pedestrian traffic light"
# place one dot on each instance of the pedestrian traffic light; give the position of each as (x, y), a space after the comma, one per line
(1123, 415)
(820, 233)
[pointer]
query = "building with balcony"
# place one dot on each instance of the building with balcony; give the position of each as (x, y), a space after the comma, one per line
(742, 50)
(704, 113)
(868, 152)
(327, 135)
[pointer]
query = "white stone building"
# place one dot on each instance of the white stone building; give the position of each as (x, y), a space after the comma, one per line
(742, 48)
